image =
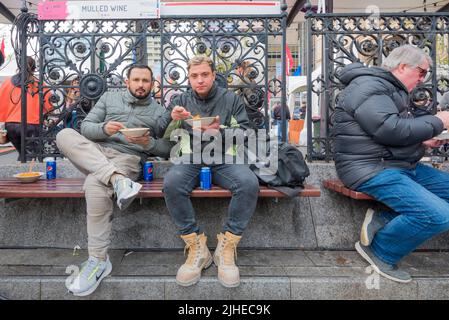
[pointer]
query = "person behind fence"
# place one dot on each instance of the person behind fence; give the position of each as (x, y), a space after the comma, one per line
(71, 101)
(63, 116)
(277, 116)
(252, 96)
(206, 99)
(444, 102)
(112, 163)
(11, 108)
(378, 145)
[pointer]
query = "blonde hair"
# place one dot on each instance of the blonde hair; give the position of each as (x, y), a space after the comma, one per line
(245, 67)
(197, 60)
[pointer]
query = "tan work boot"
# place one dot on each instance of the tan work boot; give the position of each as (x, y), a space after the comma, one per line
(228, 272)
(198, 258)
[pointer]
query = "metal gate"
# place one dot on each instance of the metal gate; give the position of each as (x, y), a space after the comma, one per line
(335, 40)
(78, 60)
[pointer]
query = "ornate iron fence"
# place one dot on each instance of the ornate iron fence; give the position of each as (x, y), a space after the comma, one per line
(368, 38)
(77, 61)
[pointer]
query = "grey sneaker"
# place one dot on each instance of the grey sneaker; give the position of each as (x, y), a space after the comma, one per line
(370, 226)
(126, 190)
(389, 271)
(92, 272)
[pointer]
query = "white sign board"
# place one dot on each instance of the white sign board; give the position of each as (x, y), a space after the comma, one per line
(76, 10)
(221, 8)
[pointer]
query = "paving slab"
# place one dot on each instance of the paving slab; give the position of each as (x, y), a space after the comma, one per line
(111, 288)
(351, 288)
(20, 288)
(265, 274)
(264, 288)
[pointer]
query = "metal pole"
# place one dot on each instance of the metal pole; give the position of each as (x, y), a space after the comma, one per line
(267, 121)
(284, 73)
(324, 112)
(24, 85)
(309, 42)
(329, 6)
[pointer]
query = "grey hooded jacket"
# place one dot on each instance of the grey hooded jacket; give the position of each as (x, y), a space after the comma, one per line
(373, 126)
(132, 112)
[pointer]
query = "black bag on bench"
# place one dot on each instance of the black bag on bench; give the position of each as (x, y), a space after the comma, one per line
(291, 172)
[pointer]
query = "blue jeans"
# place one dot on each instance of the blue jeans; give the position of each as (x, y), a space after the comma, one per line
(420, 201)
(279, 125)
(239, 179)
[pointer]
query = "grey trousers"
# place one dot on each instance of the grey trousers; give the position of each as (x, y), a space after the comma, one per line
(98, 164)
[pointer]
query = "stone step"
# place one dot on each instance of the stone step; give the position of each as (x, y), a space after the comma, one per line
(265, 274)
(330, 222)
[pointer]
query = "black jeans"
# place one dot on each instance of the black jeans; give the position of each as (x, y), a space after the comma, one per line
(238, 178)
(14, 136)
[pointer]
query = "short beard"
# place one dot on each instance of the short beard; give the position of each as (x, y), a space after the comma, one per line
(141, 98)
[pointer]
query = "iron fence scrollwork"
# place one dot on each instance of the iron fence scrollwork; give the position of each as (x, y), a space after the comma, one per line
(369, 38)
(78, 60)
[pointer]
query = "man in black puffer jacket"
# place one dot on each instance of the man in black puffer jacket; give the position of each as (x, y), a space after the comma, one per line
(378, 143)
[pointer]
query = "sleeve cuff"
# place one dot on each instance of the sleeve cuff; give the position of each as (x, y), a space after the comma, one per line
(151, 145)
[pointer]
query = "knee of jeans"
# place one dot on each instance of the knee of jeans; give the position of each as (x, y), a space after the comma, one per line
(248, 184)
(172, 182)
(440, 222)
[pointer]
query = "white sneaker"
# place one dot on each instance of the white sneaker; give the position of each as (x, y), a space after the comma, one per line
(92, 272)
(126, 190)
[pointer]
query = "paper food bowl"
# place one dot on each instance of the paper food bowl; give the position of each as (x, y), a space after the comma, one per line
(134, 132)
(442, 136)
(201, 122)
(28, 177)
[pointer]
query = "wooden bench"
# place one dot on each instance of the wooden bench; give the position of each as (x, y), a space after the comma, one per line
(338, 186)
(72, 188)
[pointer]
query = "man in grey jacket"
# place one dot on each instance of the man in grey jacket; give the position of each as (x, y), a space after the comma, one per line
(112, 162)
(378, 143)
(206, 99)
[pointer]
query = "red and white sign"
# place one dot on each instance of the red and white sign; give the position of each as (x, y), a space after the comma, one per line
(152, 9)
(221, 8)
(77, 10)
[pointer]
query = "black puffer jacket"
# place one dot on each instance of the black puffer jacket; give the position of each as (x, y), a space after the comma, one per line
(373, 127)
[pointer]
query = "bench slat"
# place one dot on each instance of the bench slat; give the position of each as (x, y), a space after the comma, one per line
(73, 188)
(338, 186)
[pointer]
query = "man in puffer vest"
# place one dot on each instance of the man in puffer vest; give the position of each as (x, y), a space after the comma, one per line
(206, 99)
(378, 145)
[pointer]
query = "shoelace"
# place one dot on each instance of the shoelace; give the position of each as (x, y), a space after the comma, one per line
(226, 258)
(87, 269)
(192, 258)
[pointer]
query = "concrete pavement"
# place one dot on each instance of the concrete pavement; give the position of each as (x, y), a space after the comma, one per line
(265, 274)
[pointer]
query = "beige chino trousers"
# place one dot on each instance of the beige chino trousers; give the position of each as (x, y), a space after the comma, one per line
(98, 164)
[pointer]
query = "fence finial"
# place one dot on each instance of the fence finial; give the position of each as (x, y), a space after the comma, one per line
(24, 6)
(308, 7)
(284, 5)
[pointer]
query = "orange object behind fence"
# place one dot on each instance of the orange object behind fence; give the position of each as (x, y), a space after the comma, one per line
(294, 129)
